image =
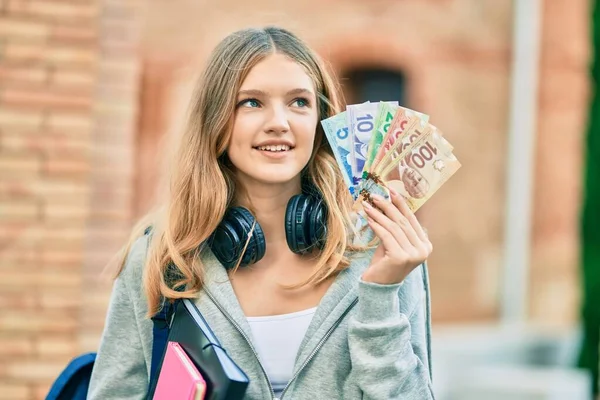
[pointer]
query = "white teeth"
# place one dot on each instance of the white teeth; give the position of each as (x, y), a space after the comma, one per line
(278, 147)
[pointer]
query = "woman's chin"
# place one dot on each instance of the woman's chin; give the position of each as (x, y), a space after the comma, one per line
(278, 176)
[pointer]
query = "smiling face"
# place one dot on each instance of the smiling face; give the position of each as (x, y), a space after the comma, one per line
(275, 122)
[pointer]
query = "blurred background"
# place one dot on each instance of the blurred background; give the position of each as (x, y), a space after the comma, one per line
(92, 92)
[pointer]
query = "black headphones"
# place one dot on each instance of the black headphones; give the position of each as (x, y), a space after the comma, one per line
(305, 228)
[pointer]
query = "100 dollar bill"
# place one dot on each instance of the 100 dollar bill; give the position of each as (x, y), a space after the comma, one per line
(426, 167)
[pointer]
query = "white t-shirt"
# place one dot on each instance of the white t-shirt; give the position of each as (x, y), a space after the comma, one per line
(277, 339)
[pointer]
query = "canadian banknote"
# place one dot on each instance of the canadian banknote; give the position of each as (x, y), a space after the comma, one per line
(397, 127)
(338, 134)
(361, 120)
(428, 164)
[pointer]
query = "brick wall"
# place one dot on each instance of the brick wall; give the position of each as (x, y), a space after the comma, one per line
(66, 69)
(113, 157)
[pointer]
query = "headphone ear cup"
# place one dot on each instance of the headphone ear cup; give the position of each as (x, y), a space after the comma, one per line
(294, 221)
(305, 226)
(228, 240)
(318, 223)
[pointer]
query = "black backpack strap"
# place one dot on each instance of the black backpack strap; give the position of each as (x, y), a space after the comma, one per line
(160, 334)
(161, 323)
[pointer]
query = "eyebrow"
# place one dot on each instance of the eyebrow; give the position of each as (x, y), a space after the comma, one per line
(256, 92)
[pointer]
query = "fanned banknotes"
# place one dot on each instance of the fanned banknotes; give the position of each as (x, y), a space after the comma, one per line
(380, 145)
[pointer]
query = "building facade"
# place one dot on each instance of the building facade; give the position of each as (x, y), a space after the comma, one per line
(93, 91)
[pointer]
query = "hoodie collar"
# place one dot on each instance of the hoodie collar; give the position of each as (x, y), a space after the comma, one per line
(341, 295)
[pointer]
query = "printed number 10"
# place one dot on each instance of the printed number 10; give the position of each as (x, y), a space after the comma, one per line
(365, 124)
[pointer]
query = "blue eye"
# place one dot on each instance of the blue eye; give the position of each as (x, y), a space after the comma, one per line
(301, 102)
(252, 103)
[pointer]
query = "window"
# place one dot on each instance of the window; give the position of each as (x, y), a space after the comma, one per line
(373, 84)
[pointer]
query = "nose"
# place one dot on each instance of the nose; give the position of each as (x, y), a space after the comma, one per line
(277, 121)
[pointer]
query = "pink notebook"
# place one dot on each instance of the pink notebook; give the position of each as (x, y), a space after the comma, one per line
(179, 379)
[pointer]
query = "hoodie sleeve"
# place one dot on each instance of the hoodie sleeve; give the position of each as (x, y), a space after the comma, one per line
(389, 339)
(121, 370)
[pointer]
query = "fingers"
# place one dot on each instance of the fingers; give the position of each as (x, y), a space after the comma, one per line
(402, 205)
(400, 220)
(390, 227)
(388, 240)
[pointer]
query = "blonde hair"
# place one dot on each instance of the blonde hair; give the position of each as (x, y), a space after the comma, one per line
(202, 181)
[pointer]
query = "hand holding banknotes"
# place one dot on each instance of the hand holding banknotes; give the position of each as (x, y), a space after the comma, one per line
(404, 244)
(387, 151)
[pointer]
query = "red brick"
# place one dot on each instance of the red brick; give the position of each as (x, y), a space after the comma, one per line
(19, 211)
(63, 238)
(32, 322)
(25, 234)
(15, 346)
(61, 299)
(19, 119)
(27, 74)
(48, 191)
(12, 257)
(63, 258)
(60, 276)
(53, 144)
(108, 239)
(89, 338)
(25, 141)
(19, 166)
(80, 122)
(41, 389)
(46, 99)
(82, 35)
(16, 274)
(61, 246)
(56, 191)
(10, 390)
(67, 169)
(63, 346)
(17, 189)
(17, 299)
(23, 29)
(55, 10)
(83, 79)
(71, 55)
(35, 370)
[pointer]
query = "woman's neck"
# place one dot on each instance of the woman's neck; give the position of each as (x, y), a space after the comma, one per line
(268, 203)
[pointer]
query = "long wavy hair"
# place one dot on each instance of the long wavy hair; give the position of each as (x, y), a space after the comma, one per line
(203, 185)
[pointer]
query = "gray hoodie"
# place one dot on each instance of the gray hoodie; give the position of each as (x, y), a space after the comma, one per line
(366, 341)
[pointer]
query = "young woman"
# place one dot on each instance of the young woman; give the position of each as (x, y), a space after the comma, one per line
(312, 317)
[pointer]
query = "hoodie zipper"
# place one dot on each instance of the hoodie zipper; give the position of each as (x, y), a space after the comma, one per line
(241, 331)
(318, 346)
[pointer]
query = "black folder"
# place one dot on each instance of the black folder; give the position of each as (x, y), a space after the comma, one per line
(225, 380)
